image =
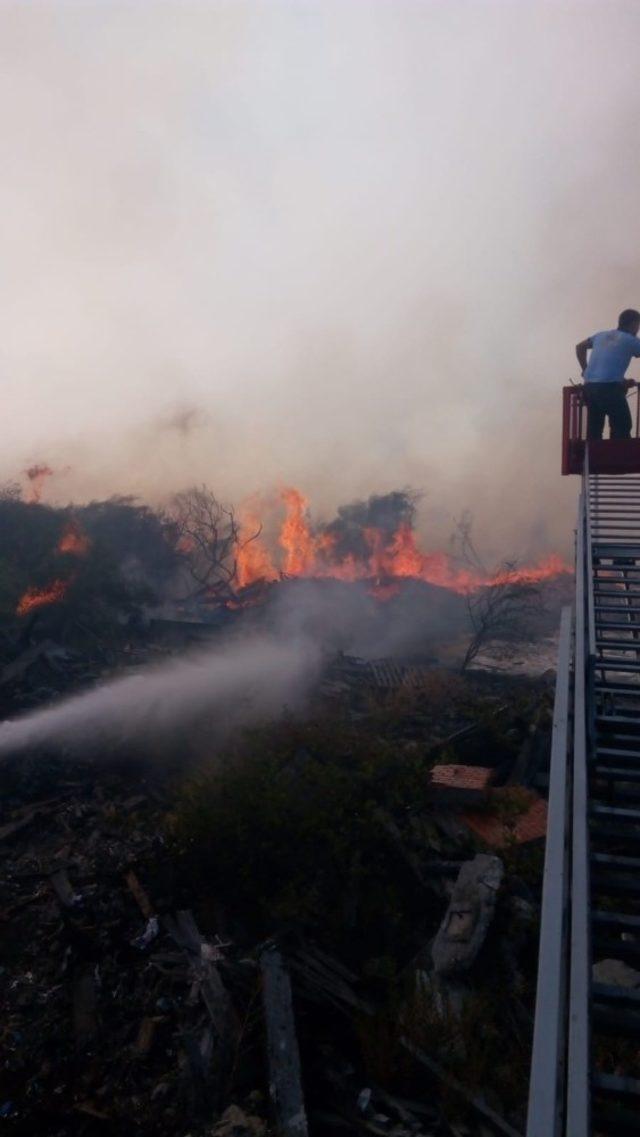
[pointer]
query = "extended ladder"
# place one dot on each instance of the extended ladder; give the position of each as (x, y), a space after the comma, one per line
(586, 1058)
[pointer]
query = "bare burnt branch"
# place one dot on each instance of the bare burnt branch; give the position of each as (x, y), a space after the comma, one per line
(500, 607)
(205, 534)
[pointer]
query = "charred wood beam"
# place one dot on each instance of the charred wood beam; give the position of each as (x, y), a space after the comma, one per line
(218, 1052)
(202, 958)
(285, 1080)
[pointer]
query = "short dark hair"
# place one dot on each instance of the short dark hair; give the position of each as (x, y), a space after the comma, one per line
(627, 319)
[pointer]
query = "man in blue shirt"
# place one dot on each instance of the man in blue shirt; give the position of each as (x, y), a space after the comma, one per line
(604, 375)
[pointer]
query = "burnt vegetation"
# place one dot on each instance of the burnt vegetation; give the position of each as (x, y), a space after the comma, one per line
(505, 607)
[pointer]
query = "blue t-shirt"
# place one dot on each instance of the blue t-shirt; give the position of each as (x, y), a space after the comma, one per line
(611, 354)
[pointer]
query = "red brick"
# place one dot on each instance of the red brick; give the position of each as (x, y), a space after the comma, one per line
(462, 777)
(461, 785)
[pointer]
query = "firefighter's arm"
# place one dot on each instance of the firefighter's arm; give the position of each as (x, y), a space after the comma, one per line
(581, 352)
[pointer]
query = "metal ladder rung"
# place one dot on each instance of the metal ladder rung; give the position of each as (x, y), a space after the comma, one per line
(612, 625)
(616, 1086)
(604, 646)
(617, 774)
(614, 812)
(618, 920)
(622, 608)
(622, 594)
(610, 860)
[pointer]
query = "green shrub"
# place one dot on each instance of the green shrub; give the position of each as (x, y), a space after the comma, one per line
(287, 829)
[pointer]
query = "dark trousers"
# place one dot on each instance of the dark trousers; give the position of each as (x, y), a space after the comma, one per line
(607, 400)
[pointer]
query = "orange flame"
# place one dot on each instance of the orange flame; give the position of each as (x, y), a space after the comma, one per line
(74, 541)
(39, 597)
(295, 536)
(253, 559)
(389, 559)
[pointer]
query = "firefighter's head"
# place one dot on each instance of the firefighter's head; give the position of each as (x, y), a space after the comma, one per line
(629, 321)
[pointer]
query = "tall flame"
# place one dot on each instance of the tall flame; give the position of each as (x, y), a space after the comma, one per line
(388, 558)
(39, 597)
(295, 536)
(253, 559)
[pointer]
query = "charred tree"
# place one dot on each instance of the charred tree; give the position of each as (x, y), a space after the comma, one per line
(205, 534)
(500, 608)
(208, 539)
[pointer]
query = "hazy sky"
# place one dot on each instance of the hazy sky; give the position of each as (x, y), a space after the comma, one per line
(358, 239)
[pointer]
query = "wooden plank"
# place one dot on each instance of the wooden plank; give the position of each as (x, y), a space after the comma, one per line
(285, 1080)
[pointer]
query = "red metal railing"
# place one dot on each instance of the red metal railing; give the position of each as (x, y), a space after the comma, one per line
(607, 455)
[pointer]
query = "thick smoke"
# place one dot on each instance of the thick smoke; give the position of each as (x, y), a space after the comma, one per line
(413, 623)
(363, 238)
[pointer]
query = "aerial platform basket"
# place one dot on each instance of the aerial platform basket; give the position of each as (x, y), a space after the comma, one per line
(606, 456)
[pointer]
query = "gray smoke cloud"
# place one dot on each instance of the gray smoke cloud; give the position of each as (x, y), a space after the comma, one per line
(361, 239)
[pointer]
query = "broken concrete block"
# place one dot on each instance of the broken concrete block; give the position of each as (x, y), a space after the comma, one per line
(615, 973)
(470, 912)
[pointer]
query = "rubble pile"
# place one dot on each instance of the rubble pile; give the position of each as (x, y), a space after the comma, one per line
(296, 937)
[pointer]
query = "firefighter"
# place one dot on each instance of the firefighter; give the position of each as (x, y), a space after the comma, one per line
(604, 375)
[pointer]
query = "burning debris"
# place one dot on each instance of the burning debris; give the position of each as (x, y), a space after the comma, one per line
(74, 542)
(35, 598)
(198, 558)
(371, 540)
